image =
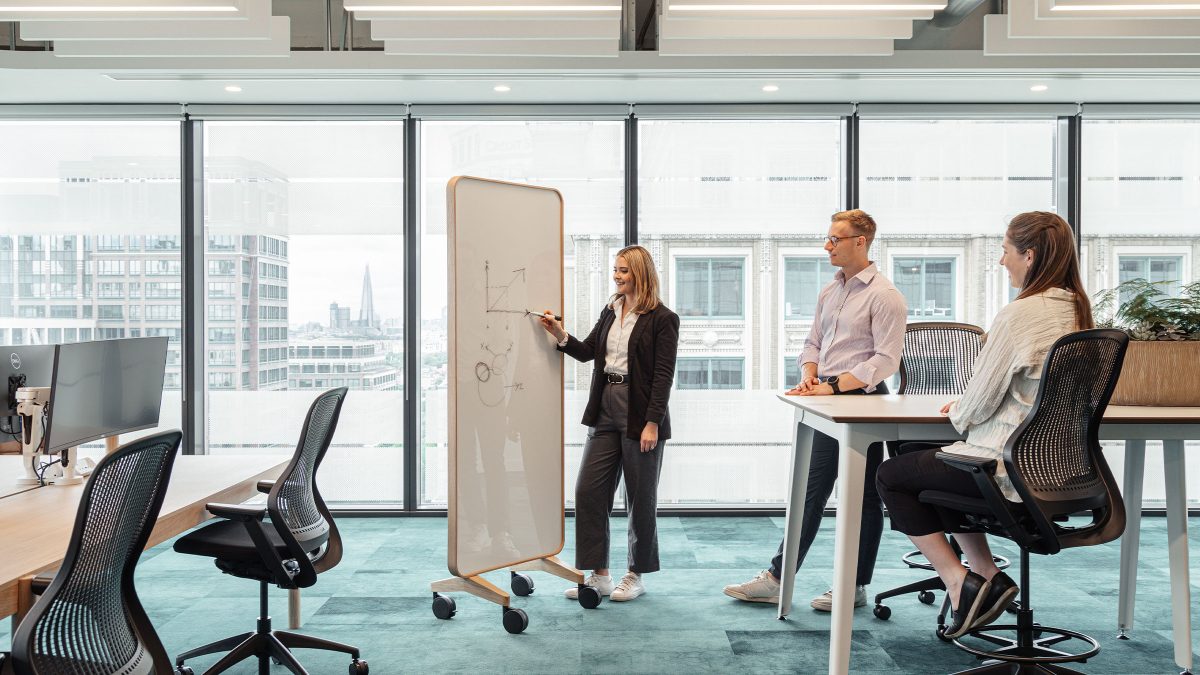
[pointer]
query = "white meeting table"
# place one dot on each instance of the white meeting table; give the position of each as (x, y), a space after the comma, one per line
(858, 421)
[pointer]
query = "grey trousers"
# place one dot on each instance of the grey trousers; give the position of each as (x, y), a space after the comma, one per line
(607, 455)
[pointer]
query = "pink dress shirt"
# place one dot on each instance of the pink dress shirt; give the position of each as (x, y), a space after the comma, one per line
(858, 328)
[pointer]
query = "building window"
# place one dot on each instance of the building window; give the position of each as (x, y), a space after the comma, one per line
(712, 288)
(803, 279)
(709, 373)
(1164, 270)
(928, 286)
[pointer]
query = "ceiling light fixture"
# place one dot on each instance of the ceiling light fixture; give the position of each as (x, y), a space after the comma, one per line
(1125, 7)
(501, 88)
(770, 87)
(483, 8)
(233, 89)
(1038, 87)
(117, 8)
(832, 7)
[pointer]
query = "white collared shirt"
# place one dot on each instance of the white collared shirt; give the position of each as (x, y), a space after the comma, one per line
(616, 358)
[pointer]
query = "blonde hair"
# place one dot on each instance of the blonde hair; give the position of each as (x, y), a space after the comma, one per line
(859, 221)
(645, 279)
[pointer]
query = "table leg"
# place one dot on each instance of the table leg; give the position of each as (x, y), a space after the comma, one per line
(852, 467)
(1135, 465)
(797, 492)
(1177, 547)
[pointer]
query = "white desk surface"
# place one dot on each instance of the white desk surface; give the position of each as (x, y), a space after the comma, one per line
(10, 469)
(894, 408)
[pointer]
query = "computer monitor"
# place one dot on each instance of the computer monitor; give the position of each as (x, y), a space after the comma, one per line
(105, 388)
(22, 366)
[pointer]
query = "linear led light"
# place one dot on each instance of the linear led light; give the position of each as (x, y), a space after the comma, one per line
(832, 7)
(118, 8)
(483, 8)
(1110, 6)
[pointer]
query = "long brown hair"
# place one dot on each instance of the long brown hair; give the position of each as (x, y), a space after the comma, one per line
(645, 279)
(1055, 263)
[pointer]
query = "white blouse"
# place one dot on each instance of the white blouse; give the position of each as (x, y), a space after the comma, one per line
(1007, 373)
(616, 358)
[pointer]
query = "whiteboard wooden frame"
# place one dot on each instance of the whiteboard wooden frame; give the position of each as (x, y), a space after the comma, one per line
(523, 557)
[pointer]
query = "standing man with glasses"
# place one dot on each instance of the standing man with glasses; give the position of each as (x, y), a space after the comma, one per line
(854, 344)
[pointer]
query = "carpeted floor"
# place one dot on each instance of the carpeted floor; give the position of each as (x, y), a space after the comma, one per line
(378, 599)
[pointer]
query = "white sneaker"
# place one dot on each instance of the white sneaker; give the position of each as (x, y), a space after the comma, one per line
(762, 588)
(629, 588)
(824, 601)
(602, 584)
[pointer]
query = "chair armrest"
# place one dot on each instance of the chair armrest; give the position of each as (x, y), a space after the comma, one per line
(239, 512)
(983, 470)
(967, 463)
(40, 582)
(264, 486)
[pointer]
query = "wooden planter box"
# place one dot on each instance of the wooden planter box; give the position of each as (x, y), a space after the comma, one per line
(1163, 373)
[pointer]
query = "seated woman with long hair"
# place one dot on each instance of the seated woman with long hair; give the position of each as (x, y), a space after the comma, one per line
(1039, 254)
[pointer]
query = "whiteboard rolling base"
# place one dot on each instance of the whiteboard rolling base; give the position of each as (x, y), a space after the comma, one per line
(515, 620)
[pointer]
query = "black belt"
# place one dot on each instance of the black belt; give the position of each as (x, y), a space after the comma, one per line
(615, 378)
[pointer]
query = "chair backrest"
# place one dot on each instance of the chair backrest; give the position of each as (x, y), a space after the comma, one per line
(1054, 458)
(294, 503)
(938, 357)
(90, 619)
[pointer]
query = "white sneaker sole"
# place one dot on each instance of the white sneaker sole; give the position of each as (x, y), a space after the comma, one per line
(625, 598)
(573, 594)
(773, 600)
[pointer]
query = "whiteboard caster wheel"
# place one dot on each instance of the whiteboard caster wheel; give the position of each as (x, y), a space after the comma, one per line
(515, 620)
(443, 607)
(589, 598)
(522, 584)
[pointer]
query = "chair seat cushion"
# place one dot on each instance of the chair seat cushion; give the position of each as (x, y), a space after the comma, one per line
(229, 540)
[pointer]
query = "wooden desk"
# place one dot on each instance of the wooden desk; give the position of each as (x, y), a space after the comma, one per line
(10, 470)
(858, 421)
(35, 526)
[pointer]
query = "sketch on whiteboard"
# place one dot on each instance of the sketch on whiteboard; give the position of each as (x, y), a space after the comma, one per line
(492, 374)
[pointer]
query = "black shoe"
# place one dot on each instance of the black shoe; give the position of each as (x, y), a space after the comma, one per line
(1001, 594)
(970, 601)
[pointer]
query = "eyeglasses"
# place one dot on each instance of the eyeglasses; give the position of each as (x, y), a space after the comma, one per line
(834, 239)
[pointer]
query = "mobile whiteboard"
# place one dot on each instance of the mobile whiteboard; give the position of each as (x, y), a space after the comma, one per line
(506, 378)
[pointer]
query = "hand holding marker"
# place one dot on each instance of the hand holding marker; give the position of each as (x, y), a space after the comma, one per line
(551, 322)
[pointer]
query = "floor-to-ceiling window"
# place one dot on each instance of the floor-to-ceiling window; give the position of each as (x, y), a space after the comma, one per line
(942, 192)
(583, 159)
(90, 238)
(304, 292)
(1141, 220)
(733, 212)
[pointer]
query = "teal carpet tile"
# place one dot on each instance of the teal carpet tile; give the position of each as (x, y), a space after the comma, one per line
(378, 599)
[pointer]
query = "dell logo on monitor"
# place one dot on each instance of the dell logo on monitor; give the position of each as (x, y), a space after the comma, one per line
(15, 360)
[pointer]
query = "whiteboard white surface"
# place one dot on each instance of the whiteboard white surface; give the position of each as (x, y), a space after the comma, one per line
(506, 378)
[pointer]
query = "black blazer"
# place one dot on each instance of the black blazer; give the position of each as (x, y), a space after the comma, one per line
(652, 346)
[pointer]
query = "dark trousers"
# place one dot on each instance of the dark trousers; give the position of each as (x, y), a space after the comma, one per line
(902, 478)
(607, 455)
(822, 472)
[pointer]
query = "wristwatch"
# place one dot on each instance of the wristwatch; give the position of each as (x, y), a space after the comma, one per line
(833, 382)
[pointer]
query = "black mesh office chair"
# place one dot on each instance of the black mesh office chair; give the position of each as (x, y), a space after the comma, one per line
(937, 359)
(89, 619)
(300, 542)
(1055, 463)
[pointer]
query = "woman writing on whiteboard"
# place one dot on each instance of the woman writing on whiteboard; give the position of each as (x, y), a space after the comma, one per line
(633, 344)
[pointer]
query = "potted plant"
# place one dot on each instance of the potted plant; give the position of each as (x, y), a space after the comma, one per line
(1162, 366)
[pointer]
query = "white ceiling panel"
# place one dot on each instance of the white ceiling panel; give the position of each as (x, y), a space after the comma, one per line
(1045, 10)
(708, 28)
(475, 29)
(1024, 22)
(997, 41)
(838, 47)
(278, 44)
(254, 25)
(119, 10)
(557, 48)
